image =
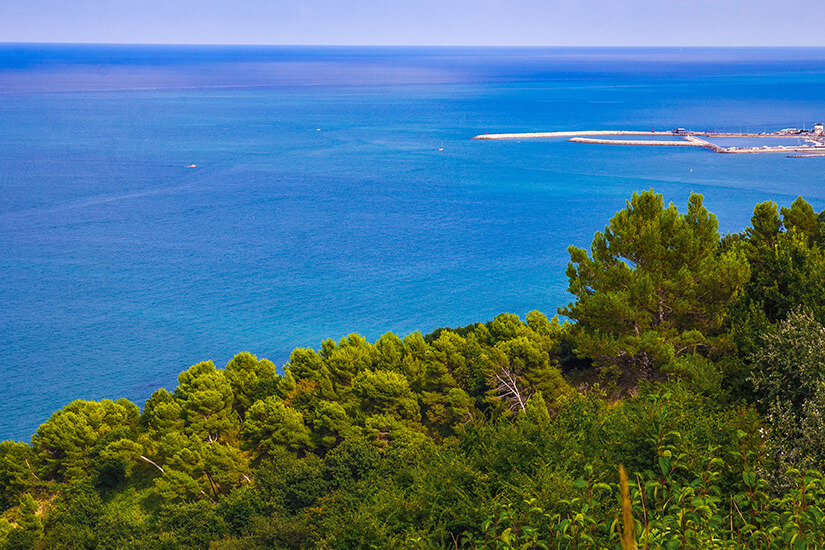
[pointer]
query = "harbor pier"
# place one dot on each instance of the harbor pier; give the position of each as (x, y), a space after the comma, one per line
(813, 141)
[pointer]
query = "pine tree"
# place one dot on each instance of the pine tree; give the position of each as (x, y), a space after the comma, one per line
(655, 286)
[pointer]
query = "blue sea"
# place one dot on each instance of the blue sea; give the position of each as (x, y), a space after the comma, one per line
(334, 190)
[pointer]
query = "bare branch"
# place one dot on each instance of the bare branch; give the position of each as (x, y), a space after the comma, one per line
(153, 464)
(30, 468)
(508, 389)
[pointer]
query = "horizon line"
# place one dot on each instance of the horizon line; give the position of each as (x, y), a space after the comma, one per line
(479, 46)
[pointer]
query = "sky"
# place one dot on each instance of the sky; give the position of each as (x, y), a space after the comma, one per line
(419, 22)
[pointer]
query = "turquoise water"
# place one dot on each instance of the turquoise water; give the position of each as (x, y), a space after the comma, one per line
(321, 202)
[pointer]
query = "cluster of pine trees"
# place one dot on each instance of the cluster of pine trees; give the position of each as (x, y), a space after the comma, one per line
(694, 362)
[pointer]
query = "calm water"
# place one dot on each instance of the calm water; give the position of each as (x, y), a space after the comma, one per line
(760, 142)
(321, 203)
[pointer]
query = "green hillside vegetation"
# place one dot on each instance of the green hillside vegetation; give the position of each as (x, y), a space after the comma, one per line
(693, 362)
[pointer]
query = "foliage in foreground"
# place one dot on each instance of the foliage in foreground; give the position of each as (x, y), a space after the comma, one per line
(695, 362)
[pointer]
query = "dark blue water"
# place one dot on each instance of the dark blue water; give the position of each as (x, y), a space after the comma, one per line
(321, 203)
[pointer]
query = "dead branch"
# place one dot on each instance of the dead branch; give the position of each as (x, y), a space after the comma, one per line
(155, 464)
(508, 389)
(30, 468)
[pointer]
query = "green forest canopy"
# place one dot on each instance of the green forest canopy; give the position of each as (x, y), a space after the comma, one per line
(695, 361)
